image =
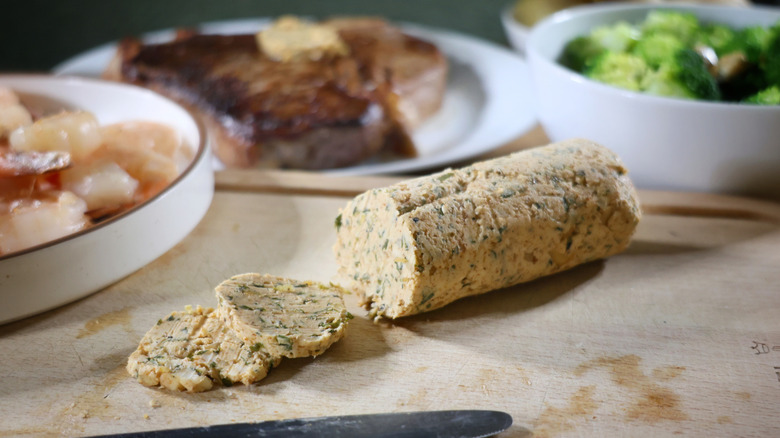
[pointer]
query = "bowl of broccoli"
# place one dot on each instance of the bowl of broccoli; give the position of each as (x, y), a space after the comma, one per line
(688, 95)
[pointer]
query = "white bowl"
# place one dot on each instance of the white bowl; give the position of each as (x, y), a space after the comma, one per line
(61, 271)
(666, 143)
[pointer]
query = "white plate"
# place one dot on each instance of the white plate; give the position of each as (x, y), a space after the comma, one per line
(488, 101)
(66, 269)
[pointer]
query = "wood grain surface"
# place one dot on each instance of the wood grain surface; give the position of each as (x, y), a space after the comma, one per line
(678, 335)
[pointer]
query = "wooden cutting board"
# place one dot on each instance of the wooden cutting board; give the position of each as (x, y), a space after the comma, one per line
(678, 335)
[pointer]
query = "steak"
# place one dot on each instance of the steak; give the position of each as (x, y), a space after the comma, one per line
(314, 114)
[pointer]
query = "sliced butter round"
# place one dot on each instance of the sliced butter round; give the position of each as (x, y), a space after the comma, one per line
(282, 316)
(192, 351)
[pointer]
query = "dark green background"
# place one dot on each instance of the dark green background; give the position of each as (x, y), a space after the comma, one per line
(36, 34)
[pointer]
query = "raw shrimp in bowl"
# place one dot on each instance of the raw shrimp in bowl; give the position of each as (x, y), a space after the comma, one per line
(62, 173)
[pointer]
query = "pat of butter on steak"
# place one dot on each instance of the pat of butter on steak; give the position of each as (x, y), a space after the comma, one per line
(423, 243)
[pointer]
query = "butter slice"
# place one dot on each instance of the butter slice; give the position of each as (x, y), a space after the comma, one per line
(286, 317)
(291, 39)
(192, 351)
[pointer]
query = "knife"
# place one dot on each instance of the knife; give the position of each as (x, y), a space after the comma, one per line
(460, 424)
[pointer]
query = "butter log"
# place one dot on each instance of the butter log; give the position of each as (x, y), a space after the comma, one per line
(421, 244)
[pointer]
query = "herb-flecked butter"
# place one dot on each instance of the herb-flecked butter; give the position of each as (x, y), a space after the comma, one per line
(423, 243)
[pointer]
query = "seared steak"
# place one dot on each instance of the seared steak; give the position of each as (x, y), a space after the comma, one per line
(313, 114)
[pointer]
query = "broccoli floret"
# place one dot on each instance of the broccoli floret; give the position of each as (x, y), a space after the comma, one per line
(752, 41)
(767, 96)
(622, 70)
(770, 60)
(658, 49)
(664, 82)
(691, 71)
(717, 36)
(682, 25)
(579, 52)
(619, 37)
(686, 76)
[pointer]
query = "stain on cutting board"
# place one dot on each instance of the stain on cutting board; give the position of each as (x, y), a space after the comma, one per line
(668, 372)
(553, 421)
(106, 320)
(652, 401)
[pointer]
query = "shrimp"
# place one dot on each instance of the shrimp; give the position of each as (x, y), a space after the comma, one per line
(103, 185)
(22, 172)
(8, 97)
(31, 163)
(12, 113)
(77, 133)
(147, 151)
(46, 216)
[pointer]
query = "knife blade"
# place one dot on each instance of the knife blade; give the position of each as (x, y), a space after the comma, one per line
(455, 424)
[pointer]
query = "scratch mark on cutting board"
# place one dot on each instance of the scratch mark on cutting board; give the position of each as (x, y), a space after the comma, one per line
(652, 402)
(95, 403)
(106, 320)
(77, 355)
(553, 421)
